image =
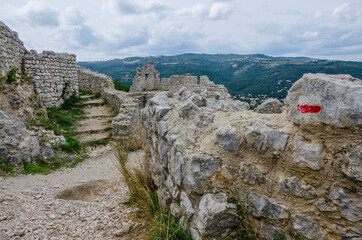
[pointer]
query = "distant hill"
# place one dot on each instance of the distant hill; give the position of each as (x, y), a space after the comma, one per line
(242, 74)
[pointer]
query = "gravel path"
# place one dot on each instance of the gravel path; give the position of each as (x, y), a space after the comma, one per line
(78, 203)
(30, 207)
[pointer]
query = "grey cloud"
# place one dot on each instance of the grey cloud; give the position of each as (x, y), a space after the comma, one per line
(39, 13)
(73, 16)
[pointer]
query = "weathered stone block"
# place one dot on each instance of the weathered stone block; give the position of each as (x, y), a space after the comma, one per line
(261, 206)
(227, 138)
(215, 217)
(307, 226)
(350, 205)
(269, 106)
(334, 100)
(352, 164)
(295, 186)
(251, 174)
(265, 139)
(186, 205)
(308, 154)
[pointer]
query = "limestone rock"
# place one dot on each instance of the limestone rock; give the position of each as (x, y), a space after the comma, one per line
(308, 154)
(270, 106)
(162, 128)
(188, 109)
(265, 139)
(199, 167)
(295, 186)
(146, 79)
(215, 216)
(270, 232)
(175, 210)
(204, 120)
(350, 205)
(307, 226)
(17, 143)
(322, 205)
(352, 164)
(239, 105)
(334, 100)
(186, 205)
(227, 138)
(251, 175)
(261, 206)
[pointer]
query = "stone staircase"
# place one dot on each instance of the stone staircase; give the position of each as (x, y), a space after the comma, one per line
(96, 124)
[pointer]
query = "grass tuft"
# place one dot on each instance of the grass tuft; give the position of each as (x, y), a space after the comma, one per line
(160, 222)
(244, 230)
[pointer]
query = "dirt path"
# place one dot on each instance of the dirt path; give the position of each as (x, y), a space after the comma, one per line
(78, 203)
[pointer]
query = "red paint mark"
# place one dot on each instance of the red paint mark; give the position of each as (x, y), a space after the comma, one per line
(309, 108)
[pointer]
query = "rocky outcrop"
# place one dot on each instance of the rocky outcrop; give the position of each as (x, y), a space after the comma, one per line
(334, 100)
(291, 180)
(16, 142)
(270, 106)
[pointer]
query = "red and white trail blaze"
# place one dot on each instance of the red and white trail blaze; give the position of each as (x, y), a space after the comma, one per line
(309, 108)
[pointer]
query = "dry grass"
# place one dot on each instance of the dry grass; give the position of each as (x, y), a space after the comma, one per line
(160, 223)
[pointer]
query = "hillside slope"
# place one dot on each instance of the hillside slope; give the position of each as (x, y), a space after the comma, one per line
(242, 74)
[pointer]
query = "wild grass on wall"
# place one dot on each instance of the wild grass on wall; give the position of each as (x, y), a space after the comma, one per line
(160, 223)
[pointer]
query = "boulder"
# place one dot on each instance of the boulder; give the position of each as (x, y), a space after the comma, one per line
(270, 106)
(317, 99)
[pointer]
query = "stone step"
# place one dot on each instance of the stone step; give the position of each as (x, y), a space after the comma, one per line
(86, 96)
(92, 124)
(88, 137)
(92, 101)
(91, 111)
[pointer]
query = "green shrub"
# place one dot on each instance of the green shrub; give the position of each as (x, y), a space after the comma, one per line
(7, 168)
(70, 102)
(97, 95)
(31, 168)
(72, 145)
(11, 76)
(97, 142)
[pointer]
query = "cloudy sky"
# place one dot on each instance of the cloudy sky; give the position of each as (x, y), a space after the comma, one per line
(107, 29)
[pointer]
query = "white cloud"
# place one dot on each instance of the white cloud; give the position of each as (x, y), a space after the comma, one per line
(38, 13)
(219, 11)
(73, 16)
(119, 28)
(345, 13)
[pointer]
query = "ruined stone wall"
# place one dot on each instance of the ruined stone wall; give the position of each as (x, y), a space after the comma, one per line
(93, 81)
(54, 75)
(298, 173)
(12, 50)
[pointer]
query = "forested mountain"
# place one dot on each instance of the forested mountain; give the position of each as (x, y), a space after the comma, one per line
(255, 74)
